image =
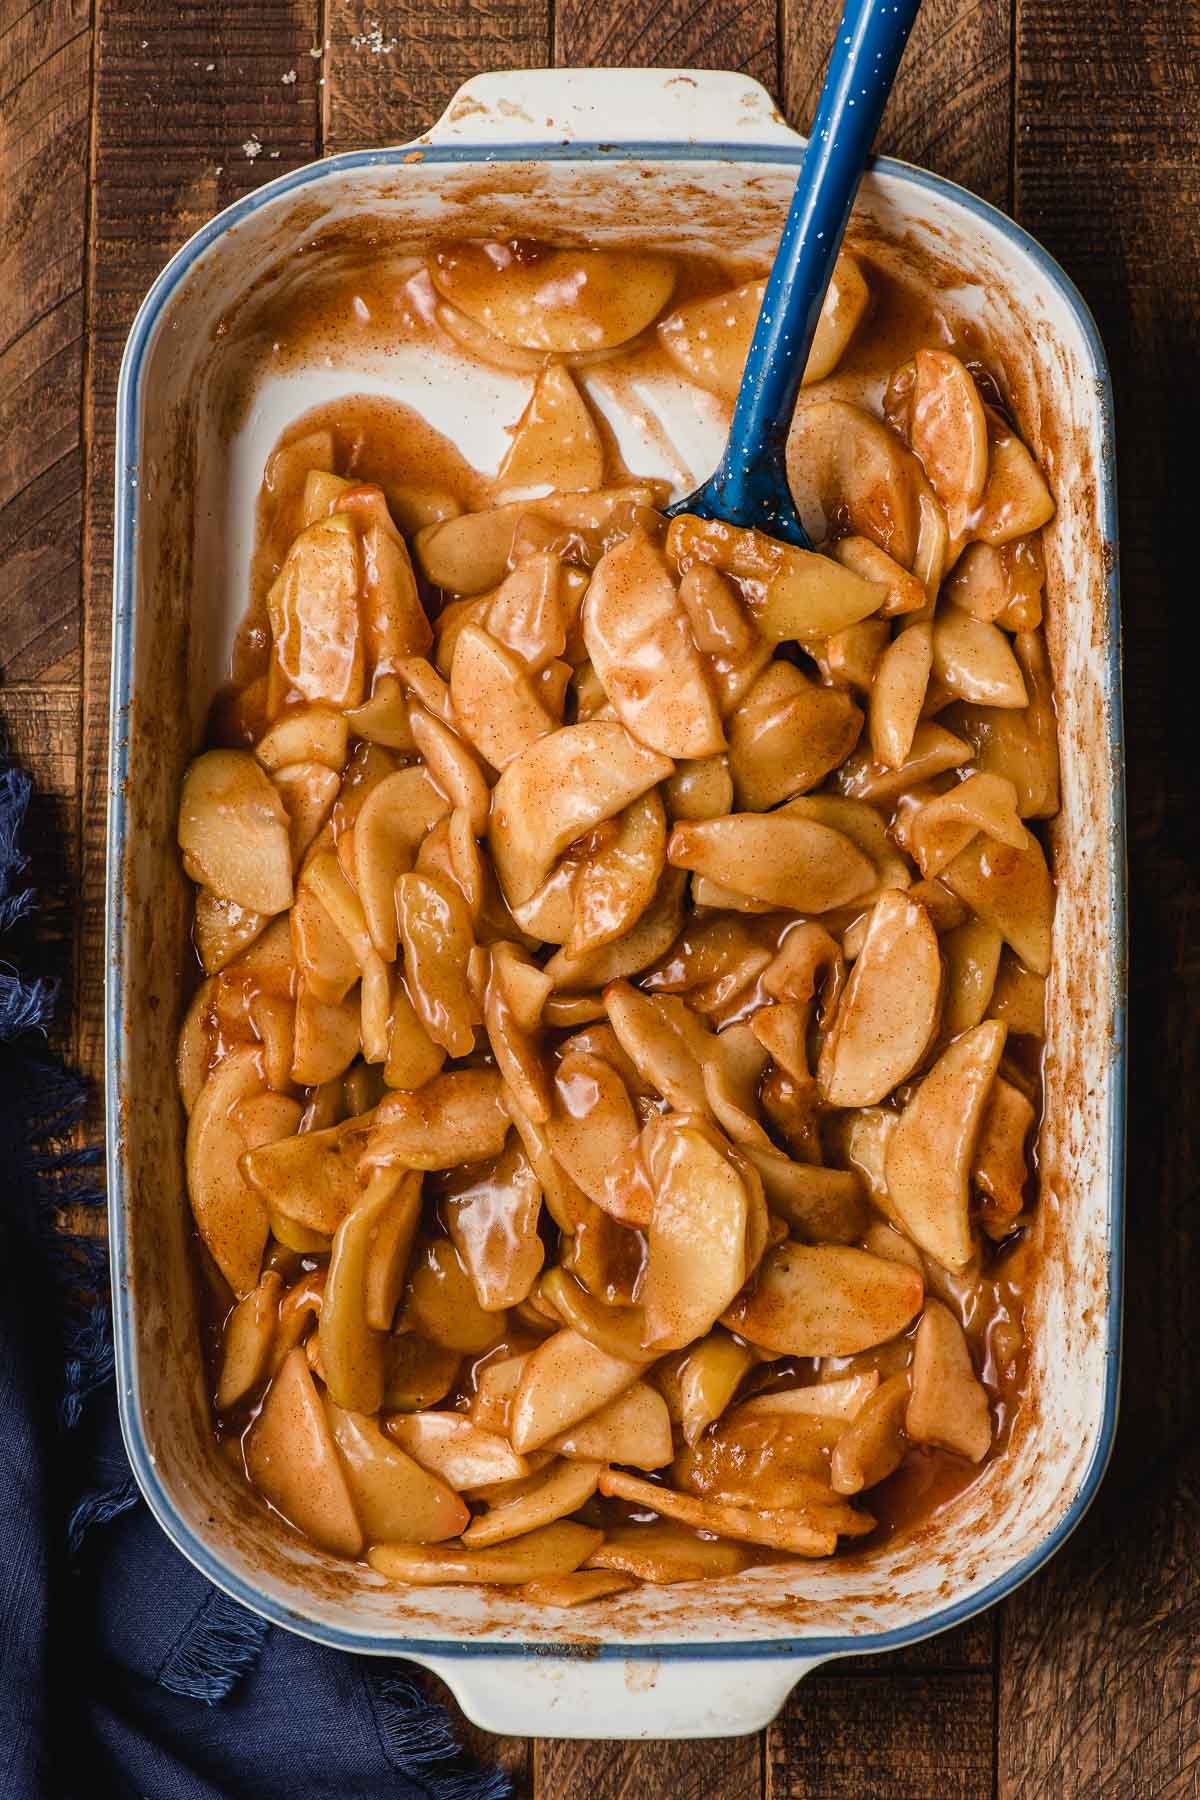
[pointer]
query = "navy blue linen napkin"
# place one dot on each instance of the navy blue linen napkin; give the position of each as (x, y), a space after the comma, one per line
(123, 1672)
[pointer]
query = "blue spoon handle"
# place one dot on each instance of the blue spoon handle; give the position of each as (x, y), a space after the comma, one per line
(750, 487)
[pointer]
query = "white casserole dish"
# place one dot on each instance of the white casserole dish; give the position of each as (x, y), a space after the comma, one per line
(562, 154)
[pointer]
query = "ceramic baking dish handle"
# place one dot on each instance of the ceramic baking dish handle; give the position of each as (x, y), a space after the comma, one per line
(612, 106)
(578, 1695)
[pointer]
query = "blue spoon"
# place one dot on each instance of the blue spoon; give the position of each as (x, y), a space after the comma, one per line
(750, 487)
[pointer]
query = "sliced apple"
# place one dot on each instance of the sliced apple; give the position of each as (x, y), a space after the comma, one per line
(516, 992)
(825, 1300)
(554, 1493)
(459, 1451)
(709, 339)
(874, 1444)
(942, 827)
(564, 1380)
(544, 1555)
(709, 1378)
(887, 1015)
(555, 443)
(313, 610)
(390, 1246)
(699, 790)
(593, 1122)
(559, 788)
(841, 1398)
(395, 1498)
(774, 859)
(1000, 1169)
(194, 1054)
(822, 1205)
(696, 1245)
(436, 933)
(308, 791)
(292, 1460)
(391, 825)
(637, 636)
(230, 1215)
(494, 698)
(442, 1306)
(904, 592)
(933, 751)
(648, 939)
(791, 593)
(781, 1529)
(1010, 889)
(1020, 745)
(862, 824)
(927, 1163)
(383, 719)
(935, 403)
(351, 1348)
(974, 661)
(948, 1405)
(1016, 499)
(305, 734)
(898, 694)
(845, 464)
(221, 929)
(455, 1118)
(492, 1215)
(246, 1340)
(308, 1178)
(557, 300)
(633, 1430)
(328, 1036)
(667, 1043)
(394, 622)
(233, 832)
(416, 1373)
(617, 881)
(533, 609)
(787, 734)
(578, 1589)
(1019, 998)
(972, 953)
(663, 1553)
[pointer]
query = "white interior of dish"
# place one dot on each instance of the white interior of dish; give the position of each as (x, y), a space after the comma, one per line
(196, 497)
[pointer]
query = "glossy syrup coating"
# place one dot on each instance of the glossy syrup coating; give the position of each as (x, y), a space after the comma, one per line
(614, 1077)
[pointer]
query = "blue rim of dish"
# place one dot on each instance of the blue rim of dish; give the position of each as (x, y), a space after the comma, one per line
(405, 160)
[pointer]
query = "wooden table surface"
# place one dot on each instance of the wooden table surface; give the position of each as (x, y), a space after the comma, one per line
(124, 126)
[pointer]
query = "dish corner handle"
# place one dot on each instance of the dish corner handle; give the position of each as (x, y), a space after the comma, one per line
(574, 1695)
(611, 106)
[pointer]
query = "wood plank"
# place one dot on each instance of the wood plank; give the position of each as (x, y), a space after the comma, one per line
(1098, 1671)
(702, 1769)
(677, 34)
(389, 71)
(195, 104)
(1100, 1682)
(45, 56)
(950, 110)
(884, 1737)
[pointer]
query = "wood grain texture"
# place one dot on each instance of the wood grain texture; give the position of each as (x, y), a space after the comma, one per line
(677, 34)
(890, 1737)
(389, 71)
(1100, 1676)
(45, 55)
(193, 106)
(703, 1769)
(951, 108)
